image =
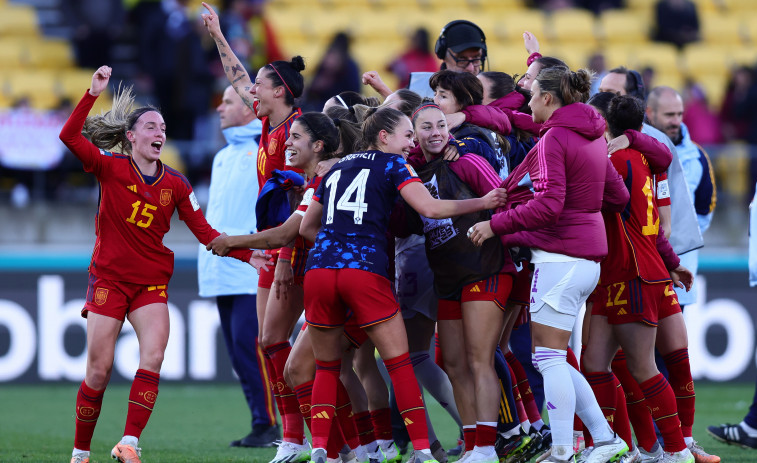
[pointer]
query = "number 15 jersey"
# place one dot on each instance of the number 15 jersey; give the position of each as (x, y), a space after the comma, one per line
(358, 195)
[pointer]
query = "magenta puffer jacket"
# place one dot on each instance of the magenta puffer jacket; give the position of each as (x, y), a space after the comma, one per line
(555, 195)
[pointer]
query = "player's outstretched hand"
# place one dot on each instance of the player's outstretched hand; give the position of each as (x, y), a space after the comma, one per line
(480, 232)
(210, 19)
(495, 198)
(682, 278)
(618, 143)
(532, 45)
(100, 80)
(260, 261)
(220, 245)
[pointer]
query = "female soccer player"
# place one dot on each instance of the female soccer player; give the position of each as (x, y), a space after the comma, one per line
(272, 96)
(473, 283)
(560, 221)
(130, 268)
(348, 267)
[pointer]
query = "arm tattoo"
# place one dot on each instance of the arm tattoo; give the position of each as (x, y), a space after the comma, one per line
(237, 68)
(268, 245)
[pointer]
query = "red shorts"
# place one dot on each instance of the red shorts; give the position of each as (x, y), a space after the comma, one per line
(669, 305)
(265, 279)
(354, 334)
(115, 299)
(521, 292)
(331, 294)
(629, 302)
(496, 288)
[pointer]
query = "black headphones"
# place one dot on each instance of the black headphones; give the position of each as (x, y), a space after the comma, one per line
(440, 49)
(636, 84)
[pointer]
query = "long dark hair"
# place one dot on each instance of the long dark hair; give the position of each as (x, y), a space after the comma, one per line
(288, 74)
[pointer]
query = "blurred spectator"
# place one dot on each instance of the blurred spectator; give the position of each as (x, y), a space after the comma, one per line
(648, 76)
(418, 58)
(337, 72)
(96, 24)
(598, 6)
(597, 64)
(551, 5)
(732, 126)
(251, 37)
(745, 109)
(677, 22)
(702, 122)
(171, 54)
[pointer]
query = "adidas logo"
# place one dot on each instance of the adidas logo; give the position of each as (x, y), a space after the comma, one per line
(321, 415)
(622, 311)
(163, 294)
(475, 289)
(408, 421)
(550, 406)
(132, 188)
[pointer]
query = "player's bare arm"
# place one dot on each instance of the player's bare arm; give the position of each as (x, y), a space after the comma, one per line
(235, 71)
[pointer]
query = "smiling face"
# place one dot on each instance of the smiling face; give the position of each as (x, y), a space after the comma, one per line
(530, 76)
(265, 93)
(401, 141)
(540, 104)
(446, 100)
(431, 131)
(148, 136)
(300, 150)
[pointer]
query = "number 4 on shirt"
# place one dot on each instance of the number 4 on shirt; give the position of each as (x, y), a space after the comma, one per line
(357, 187)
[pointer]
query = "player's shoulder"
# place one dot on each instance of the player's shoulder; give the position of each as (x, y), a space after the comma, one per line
(174, 176)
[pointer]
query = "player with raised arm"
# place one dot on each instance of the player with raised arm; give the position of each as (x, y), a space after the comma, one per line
(130, 267)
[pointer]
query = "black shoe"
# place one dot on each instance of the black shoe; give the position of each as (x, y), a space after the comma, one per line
(732, 434)
(261, 436)
(512, 449)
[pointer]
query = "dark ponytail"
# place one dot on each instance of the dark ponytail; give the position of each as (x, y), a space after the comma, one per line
(288, 74)
(567, 86)
(377, 120)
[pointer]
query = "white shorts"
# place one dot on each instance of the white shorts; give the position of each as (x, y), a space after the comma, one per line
(559, 289)
(414, 280)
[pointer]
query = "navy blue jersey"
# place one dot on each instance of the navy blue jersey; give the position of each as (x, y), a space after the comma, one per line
(358, 195)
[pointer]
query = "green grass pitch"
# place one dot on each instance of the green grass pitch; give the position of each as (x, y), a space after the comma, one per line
(194, 423)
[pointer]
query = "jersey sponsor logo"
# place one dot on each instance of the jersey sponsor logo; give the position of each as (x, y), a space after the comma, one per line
(193, 201)
(101, 295)
(272, 147)
(132, 188)
(165, 197)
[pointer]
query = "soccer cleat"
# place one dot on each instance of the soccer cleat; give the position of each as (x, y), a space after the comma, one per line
(653, 456)
(482, 455)
(536, 447)
(732, 434)
(376, 456)
(608, 451)
(512, 449)
(632, 456)
(317, 456)
(80, 458)
(544, 456)
(126, 453)
(390, 451)
(289, 452)
(260, 436)
(584, 455)
(421, 457)
(551, 459)
(684, 456)
(700, 456)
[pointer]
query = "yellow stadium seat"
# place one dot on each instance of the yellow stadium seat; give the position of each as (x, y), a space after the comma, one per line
(507, 58)
(50, 54)
(647, 5)
(659, 56)
(574, 55)
(749, 27)
(744, 6)
(714, 86)
(704, 58)
(73, 83)
(618, 54)
(624, 26)
(39, 87)
(743, 56)
(572, 26)
(513, 25)
(18, 20)
(722, 28)
(13, 53)
(671, 79)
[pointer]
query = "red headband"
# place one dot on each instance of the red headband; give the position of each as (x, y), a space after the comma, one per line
(427, 105)
(282, 79)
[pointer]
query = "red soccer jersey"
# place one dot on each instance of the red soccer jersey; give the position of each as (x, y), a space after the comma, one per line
(134, 213)
(632, 234)
(271, 150)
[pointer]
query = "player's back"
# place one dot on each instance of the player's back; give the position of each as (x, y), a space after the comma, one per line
(632, 233)
(358, 195)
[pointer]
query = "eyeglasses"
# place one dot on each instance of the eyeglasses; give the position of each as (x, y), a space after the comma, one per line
(463, 63)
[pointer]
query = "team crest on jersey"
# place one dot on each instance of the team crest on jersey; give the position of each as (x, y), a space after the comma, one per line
(272, 146)
(101, 295)
(165, 197)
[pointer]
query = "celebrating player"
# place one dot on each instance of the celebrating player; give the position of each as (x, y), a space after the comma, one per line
(130, 267)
